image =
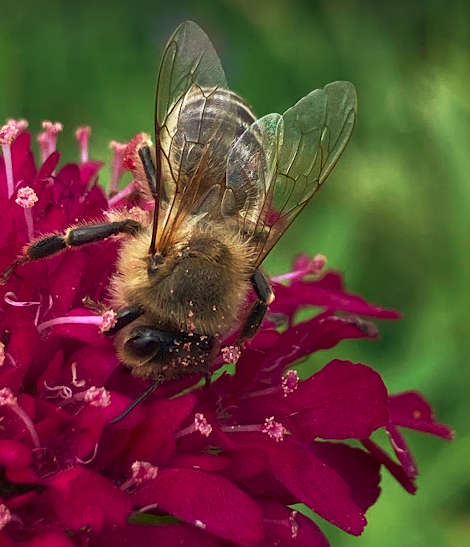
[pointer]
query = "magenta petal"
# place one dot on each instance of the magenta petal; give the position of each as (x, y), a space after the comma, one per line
(341, 401)
(152, 535)
(94, 364)
(13, 453)
(410, 409)
(50, 539)
(402, 451)
(205, 462)
(316, 334)
(163, 417)
(81, 498)
(206, 500)
(68, 275)
(395, 469)
(315, 484)
(288, 528)
(89, 170)
(327, 292)
(359, 470)
(246, 462)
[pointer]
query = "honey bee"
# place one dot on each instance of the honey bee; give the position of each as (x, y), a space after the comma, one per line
(225, 186)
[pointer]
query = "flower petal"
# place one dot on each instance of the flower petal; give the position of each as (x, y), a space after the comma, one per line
(358, 469)
(206, 500)
(81, 498)
(315, 484)
(289, 528)
(341, 401)
(148, 535)
(411, 410)
(395, 469)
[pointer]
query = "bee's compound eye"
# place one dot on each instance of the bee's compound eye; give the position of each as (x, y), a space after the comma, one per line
(147, 342)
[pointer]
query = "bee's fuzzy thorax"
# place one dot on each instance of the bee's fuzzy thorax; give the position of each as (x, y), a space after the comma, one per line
(199, 286)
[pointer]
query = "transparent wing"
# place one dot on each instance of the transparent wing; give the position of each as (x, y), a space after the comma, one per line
(196, 124)
(280, 162)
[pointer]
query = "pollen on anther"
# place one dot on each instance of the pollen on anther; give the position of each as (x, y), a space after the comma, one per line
(274, 429)
(290, 382)
(143, 471)
(48, 138)
(7, 398)
(294, 524)
(109, 320)
(8, 133)
(82, 135)
(26, 197)
(2, 353)
(231, 354)
(5, 516)
(97, 396)
(201, 424)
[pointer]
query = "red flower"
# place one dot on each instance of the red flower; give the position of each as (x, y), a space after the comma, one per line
(218, 466)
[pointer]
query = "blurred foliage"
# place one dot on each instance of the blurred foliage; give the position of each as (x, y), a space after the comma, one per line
(395, 214)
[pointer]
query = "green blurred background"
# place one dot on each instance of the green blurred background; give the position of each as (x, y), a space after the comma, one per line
(395, 213)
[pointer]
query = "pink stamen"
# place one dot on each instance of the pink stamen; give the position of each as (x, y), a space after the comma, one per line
(48, 138)
(2, 353)
(21, 125)
(96, 396)
(9, 296)
(86, 462)
(231, 354)
(26, 198)
(97, 320)
(7, 398)
(294, 524)
(117, 166)
(242, 428)
(304, 265)
(140, 471)
(62, 391)
(8, 134)
(200, 424)
(5, 516)
(274, 429)
(109, 320)
(83, 135)
(122, 194)
(75, 381)
(290, 382)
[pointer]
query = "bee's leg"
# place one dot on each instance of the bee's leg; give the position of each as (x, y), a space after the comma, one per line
(73, 237)
(258, 311)
(125, 317)
(150, 170)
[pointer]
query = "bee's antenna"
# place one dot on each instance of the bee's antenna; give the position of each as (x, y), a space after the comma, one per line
(139, 399)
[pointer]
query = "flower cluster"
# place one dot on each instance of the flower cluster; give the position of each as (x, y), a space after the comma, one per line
(214, 466)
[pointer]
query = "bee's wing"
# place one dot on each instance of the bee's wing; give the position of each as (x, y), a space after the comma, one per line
(195, 124)
(280, 162)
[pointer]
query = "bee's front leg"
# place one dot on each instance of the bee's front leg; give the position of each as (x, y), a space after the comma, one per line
(254, 319)
(74, 237)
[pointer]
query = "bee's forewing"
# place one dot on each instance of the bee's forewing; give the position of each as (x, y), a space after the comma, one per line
(306, 144)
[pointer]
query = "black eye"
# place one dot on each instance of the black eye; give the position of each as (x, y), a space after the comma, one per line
(148, 342)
